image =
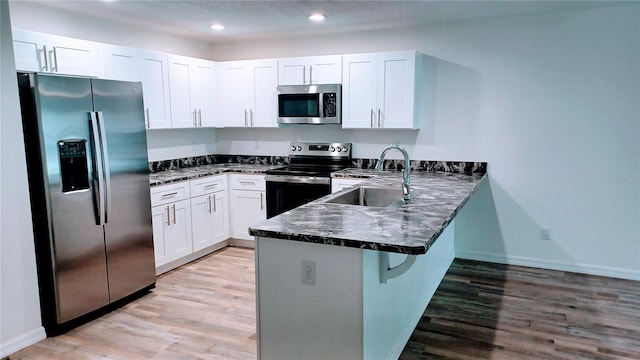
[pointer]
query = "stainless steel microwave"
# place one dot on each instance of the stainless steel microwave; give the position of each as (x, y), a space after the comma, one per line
(310, 104)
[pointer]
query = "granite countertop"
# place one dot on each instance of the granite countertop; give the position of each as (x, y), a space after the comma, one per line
(171, 176)
(409, 229)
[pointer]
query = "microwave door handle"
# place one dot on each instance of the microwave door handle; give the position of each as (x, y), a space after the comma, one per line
(321, 106)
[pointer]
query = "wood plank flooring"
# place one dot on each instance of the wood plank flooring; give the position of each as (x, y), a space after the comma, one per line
(491, 311)
(206, 310)
(203, 310)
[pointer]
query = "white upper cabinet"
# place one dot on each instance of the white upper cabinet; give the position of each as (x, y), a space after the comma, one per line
(128, 64)
(379, 91)
(310, 70)
(120, 63)
(248, 93)
(153, 71)
(203, 91)
(192, 92)
(56, 54)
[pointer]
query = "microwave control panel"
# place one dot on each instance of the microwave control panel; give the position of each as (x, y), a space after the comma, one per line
(329, 104)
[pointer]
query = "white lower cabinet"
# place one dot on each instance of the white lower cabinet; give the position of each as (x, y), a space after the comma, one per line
(190, 219)
(209, 213)
(171, 217)
(248, 203)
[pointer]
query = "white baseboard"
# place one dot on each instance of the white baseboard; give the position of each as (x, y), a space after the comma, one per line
(22, 341)
(551, 265)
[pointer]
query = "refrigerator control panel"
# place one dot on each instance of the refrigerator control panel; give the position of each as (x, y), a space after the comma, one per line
(73, 164)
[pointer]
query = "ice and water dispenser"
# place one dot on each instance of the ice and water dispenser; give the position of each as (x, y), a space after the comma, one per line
(73, 164)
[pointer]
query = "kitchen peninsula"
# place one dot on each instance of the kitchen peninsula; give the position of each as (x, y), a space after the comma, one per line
(342, 281)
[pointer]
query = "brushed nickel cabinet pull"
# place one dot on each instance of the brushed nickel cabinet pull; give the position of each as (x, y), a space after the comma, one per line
(174, 214)
(46, 60)
(168, 217)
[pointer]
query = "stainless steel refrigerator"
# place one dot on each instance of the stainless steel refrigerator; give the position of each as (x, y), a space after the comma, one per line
(88, 171)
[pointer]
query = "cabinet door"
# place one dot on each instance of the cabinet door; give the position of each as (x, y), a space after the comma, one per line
(247, 208)
(235, 92)
(292, 71)
(359, 109)
(182, 113)
(153, 72)
(396, 78)
(75, 57)
(209, 219)
(325, 70)
(161, 243)
(180, 229)
(265, 94)
(201, 222)
(121, 63)
(203, 91)
(29, 52)
(310, 70)
(220, 218)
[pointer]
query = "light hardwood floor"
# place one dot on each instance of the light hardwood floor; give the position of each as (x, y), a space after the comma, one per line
(206, 310)
(203, 310)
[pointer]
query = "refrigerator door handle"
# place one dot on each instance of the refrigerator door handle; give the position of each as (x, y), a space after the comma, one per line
(105, 165)
(98, 167)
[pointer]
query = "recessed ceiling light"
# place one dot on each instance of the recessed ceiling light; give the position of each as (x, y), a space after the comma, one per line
(217, 26)
(316, 17)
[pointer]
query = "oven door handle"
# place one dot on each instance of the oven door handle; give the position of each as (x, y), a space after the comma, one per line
(298, 179)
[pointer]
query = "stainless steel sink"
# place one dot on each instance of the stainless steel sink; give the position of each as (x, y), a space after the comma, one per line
(369, 196)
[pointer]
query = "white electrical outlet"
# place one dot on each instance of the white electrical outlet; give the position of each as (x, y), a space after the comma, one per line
(545, 233)
(308, 272)
(257, 144)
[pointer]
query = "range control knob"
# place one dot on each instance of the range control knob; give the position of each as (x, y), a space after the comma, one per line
(332, 149)
(338, 148)
(293, 148)
(345, 149)
(299, 148)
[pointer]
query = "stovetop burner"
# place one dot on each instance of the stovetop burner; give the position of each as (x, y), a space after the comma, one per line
(315, 159)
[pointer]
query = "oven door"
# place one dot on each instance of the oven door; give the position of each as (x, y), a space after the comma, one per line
(285, 192)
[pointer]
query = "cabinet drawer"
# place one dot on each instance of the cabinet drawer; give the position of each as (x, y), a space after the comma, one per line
(207, 185)
(165, 194)
(247, 182)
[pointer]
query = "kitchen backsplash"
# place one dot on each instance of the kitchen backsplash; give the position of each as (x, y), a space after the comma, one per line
(416, 165)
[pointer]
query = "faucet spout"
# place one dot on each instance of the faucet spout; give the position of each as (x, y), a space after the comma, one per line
(406, 173)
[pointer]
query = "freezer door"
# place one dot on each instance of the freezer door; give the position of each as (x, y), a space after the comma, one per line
(128, 230)
(76, 240)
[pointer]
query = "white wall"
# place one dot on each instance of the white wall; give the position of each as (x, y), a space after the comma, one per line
(20, 323)
(549, 101)
(164, 144)
(37, 17)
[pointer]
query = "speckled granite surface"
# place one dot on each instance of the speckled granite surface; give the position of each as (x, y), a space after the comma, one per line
(410, 229)
(170, 176)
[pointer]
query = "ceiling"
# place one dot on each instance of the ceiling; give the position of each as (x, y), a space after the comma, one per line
(250, 20)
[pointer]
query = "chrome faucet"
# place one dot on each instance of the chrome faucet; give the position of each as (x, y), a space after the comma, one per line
(406, 173)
